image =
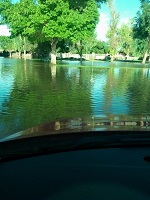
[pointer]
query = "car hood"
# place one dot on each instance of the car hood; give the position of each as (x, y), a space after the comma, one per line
(84, 124)
(76, 134)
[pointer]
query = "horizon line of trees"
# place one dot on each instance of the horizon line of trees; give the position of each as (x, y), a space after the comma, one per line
(42, 49)
(52, 26)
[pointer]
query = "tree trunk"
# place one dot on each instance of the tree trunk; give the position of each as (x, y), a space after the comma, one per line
(24, 46)
(112, 58)
(24, 54)
(61, 56)
(79, 48)
(127, 56)
(53, 50)
(19, 54)
(81, 59)
(145, 56)
(10, 54)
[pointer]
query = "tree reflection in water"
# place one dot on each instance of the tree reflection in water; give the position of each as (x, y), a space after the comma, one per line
(39, 92)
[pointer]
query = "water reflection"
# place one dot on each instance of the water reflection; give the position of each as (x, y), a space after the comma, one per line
(53, 71)
(6, 84)
(33, 92)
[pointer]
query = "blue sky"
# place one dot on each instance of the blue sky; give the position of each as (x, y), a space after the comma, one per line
(126, 8)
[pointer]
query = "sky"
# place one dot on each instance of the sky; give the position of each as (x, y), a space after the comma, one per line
(126, 8)
(4, 30)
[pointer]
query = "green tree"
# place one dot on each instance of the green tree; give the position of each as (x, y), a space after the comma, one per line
(112, 32)
(101, 47)
(52, 20)
(84, 25)
(138, 47)
(65, 20)
(18, 42)
(125, 38)
(18, 17)
(3, 42)
(7, 44)
(141, 27)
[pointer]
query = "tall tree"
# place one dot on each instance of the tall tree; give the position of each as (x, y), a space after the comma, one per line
(59, 19)
(125, 37)
(84, 24)
(141, 27)
(112, 32)
(19, 17)
(52, 20)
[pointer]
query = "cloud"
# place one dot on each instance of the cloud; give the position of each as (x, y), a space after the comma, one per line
(4, 30)
(123, 20)
(102, 27)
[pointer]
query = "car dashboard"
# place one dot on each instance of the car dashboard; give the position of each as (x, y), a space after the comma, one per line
(102, 173)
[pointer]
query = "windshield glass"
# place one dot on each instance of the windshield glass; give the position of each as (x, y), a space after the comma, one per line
(74, 66)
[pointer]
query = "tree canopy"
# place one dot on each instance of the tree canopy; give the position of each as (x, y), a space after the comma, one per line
(112, 32)
(51, 20)
(125, 38)
(141, 27)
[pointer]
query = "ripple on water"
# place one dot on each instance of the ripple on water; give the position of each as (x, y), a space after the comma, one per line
(33, 92)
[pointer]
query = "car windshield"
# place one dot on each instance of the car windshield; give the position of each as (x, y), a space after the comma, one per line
(74, 66)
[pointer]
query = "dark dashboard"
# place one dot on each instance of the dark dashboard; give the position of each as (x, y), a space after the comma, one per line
(98, 174)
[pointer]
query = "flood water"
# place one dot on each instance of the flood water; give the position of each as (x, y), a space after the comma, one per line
(33, 92)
